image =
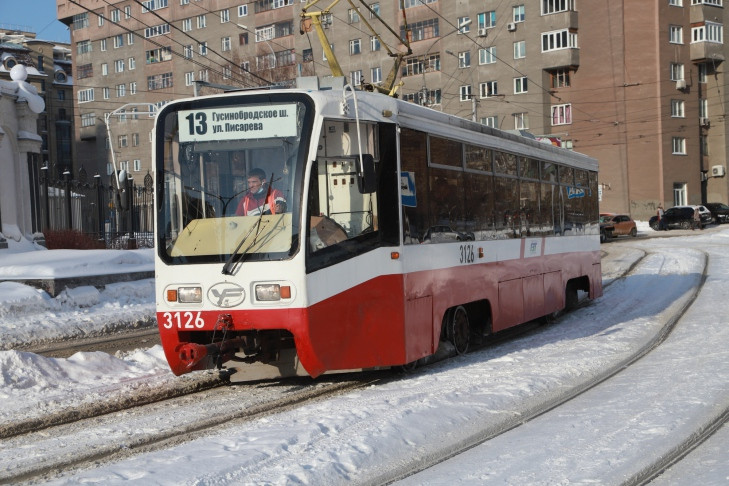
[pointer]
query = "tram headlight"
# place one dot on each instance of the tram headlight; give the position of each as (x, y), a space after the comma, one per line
(272, 292)
(189, 295)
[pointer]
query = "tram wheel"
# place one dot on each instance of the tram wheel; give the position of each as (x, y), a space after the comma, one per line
(458, 330)
(571, 297)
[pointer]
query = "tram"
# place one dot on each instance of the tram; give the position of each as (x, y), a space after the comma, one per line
(380, 230)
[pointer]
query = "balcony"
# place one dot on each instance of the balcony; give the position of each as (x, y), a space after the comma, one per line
(561, 58)
(703, 51)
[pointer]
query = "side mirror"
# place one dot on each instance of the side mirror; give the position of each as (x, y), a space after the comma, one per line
(367, 175)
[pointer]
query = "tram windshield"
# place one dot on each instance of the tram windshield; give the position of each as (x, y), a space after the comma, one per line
(229, 172)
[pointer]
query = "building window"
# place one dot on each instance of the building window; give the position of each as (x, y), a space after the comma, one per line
(374, 9)
(245, 67)
(521, 121)
(675, 3)
(355, 46)
(242, 10)
(519, 13)
(374, 43)
(225, 44)
(133, 87)
(490, 121)
(676, 71)
(709, 32)
(716, 3)
(80, 21)
(189, 78)
(679, 145)
(105, 93)
(202, 75)
(555, 6)
(159, 81)
(464, 59)
(520, 85)
(132, 63)
(243, 39)
(560, 78)
(201, 21)
(224, 16)
(102, 45)
(488, 89)
(227, 72)
(88, 119)
(675, 34)
(415, 3)
(679, 193)
(561, 114)
(677, 108)
(137, 165)
(119, 66)
(116, 15)
(85, 95)
(101, 20)
(186, 25)
(118, 41)
(85, 71)
(188, 50)
(426, 29)
(353, 15)
(184, 2)
(703, 108)
(153, 5)
(487, 55)
(203, 48)
(355, 77)
(464, 25)
(376, 75)
(121, 90)
(520, 50)
(486, 20)
(123, 141)
(156, 30)
(83, 47)
(135, 136)
(130, 38)
(560, 39)
(465, 93)
(61, 94)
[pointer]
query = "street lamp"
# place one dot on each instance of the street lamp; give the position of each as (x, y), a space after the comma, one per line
(425, 57)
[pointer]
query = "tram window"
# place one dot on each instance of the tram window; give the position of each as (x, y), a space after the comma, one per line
(567, 176)
(414, 161)
(480, 205)
(549, 172)
(478, 158)
(447, 199)
(529, 213)
(506, 206)
(528, 168)
(550, 207)
(445, 152)
(505, 163)
(581, 178)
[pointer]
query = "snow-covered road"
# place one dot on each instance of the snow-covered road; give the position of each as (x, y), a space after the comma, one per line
(605, 436)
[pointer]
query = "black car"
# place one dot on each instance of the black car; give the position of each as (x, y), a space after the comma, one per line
(677, 217)
(719, 211)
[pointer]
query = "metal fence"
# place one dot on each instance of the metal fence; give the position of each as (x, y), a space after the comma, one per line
(121, 219)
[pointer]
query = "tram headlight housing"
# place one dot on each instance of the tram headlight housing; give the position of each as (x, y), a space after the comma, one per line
(189, 295)
(272, 292)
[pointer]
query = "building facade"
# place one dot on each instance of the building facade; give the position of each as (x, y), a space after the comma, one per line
(639, 89)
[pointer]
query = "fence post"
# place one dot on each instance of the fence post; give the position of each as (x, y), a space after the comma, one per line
(67, 173)
(132, 245)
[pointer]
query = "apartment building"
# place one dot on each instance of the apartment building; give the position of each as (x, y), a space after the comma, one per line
(637, 88)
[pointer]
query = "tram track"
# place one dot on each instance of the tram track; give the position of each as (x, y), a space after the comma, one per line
(482, 436)
(70, 446)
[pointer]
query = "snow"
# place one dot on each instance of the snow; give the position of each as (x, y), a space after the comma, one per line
(361, 436)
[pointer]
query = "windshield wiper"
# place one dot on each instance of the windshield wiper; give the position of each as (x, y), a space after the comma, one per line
(235, 257)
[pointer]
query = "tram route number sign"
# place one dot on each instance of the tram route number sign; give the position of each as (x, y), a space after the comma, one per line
(237, 123)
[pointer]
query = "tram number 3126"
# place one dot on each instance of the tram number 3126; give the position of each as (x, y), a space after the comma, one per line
(183, 320)
(467, 255)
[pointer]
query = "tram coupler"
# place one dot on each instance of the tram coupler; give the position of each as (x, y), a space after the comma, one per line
(192, 353)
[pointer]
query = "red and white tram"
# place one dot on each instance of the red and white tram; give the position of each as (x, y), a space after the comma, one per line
(401, 228)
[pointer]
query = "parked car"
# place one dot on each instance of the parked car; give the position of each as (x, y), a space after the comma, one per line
(719, 211)
(680, 217)
(442, 233)
(612, 225)
(706, 216)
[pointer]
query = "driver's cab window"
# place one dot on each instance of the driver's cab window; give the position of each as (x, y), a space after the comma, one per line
(338, 211)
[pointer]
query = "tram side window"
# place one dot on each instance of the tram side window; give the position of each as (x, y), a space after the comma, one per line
(506, 207)
(480, 205)
(414, 166)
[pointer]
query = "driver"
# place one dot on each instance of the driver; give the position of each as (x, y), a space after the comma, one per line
(255, 202)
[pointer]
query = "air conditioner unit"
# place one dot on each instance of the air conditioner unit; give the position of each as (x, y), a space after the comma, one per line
(482, 32)
(718, 171)
(704, 122)
(681, 84)
(511, 26)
